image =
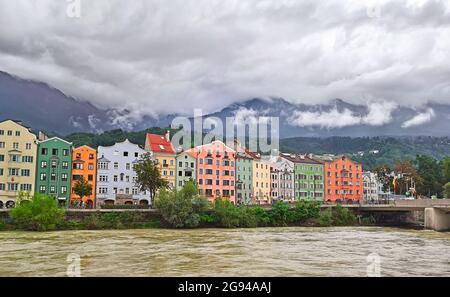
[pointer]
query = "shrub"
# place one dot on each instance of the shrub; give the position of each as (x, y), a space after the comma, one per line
(2, 225)
(41, 213)
(326, 218)
(181, 209)
(305, 210)
(343, 216)
(280, 214)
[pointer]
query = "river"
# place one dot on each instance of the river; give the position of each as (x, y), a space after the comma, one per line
(219, 252)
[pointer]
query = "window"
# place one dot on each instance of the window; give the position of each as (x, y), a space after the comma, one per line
(43, 164)
(2, 158)
(14, 158)
(13, 172)
(42, 189)
(2, 144)
(103, 178)
(25, 172)
(127, 166)
(54, 152)
(116, 178)
(10, 133)
(65, 152)
(26, 187)
(91, 166)
(27, 159)
(78, 166)
(136, 155)
(17, 133)
(2, 186)
(13, 187)
(1, 171)
(65, 165)
(53, 176)
(15, 145)
(64, 176)
(103, 190)
(91, 156)
(63, 190)
(116, 165)
(44, 151)
(43, 176)
(52, 189)
(2, 132)
(125, 154)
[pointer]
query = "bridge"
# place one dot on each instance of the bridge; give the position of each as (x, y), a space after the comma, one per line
(436, 211)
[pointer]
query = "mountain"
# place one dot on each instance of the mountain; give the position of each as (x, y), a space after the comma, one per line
(43, 107)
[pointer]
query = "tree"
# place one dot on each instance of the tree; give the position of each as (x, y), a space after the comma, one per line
(148, 177)
(82, 188)
(447, 190)
(41, 213)
(445, 165)
(431, 176)
(407, 176)
(181, 209)
(383, 172)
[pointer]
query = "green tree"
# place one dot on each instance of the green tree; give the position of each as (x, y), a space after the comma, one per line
(82, 188)
(430, 174)
(41, 213)
(148, 177)
(447, 190)
(182, 208)
(408, 176)
(445, 165)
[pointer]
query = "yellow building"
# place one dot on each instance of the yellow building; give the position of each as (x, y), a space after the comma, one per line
(165, 155)
(261, 181)
(18, 149)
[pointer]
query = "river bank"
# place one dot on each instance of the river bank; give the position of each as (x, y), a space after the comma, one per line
(295, 251)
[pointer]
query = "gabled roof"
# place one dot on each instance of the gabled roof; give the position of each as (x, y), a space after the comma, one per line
(56, 138)
(301, 159)
(159, 144)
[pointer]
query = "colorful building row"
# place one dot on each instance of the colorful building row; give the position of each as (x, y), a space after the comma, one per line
(53, 166)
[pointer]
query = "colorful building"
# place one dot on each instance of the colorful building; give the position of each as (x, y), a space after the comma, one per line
(370, 187)
(116, 175)
(216, 170)
(283, 179)
(309, 177)
(186, 168)
(84, 165)
(164, 154)
(18, 149)
(261, 180)
(344, 180)
(54, 169)
(244, 175)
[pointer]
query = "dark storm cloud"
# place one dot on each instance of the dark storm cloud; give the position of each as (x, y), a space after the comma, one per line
(170, 56)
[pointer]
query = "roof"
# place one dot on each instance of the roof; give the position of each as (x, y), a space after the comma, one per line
(56, 138)
(301, 159)
(159, 144)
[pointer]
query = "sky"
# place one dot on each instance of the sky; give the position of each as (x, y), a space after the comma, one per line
(169, 56)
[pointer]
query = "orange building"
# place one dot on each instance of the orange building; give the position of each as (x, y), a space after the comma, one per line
(343, 179)
(216, 170)
(84, 164)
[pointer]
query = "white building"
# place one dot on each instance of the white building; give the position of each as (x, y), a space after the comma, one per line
(371, 186)
(116, 177)
(282, 178)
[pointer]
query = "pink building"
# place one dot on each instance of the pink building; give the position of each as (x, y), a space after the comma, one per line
(216, 170)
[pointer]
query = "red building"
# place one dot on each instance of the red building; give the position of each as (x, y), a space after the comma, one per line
(343, 179)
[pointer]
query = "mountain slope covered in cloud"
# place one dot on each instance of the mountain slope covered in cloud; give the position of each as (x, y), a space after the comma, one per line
(42, 107)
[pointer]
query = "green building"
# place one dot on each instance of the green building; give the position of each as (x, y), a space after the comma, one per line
(244, 173)
(309, 177)
(54, 169)
(186, 168)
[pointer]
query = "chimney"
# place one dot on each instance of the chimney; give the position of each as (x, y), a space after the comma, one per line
(168, 135)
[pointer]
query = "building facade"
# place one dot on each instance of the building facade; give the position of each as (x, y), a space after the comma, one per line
(244, 178)
(18, 154)
(216, 171)
(370, 187)
(261, 181)
(283, 179)
(344, 180)
(186, 168)
(116, 175)
(164, 154)
(84, 165)
(309, 177)
(54, 169)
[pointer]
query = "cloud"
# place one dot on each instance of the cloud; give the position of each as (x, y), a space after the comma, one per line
(152, 57)
(328, 119)
(420, 119)
(380, 113)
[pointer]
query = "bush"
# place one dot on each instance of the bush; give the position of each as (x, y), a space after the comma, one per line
(41, 213)
(106, 206)
(305, 210)
(280, 214)
(326, 218)
(447, 190)
(343, 216)
(181, 209)
(2, 225)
